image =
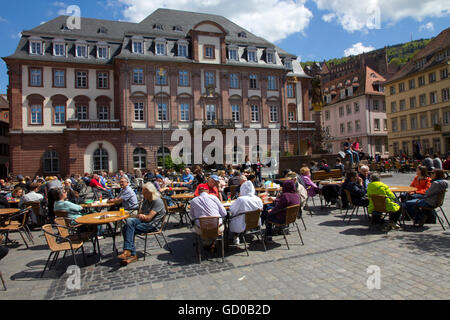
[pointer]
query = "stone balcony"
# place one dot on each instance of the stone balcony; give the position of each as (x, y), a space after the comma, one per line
(75, 124)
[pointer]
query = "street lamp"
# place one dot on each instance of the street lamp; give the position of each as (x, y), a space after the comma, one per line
(161, 74)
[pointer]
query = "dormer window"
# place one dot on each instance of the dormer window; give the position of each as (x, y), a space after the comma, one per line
(64, 27)
(288, 63)
(81, 50)
(102, 30)
(36, 47)
(160, 47)
(252, 57)
(59, 49)
(102, 52)
(242, 35)
(138, 46)
(233, 54)
(270, 57)
(182, 50)
(178, 28)
(157, 26)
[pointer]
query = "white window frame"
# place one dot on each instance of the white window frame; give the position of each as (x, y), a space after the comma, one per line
(36, 114)
(233, 54)
(234, 81)
(162, 112)
(41, 47)
(103, 113)
(102, 49)
(273, 111)
(253, 77)
(34, 76)
(210, 78)
(184, 112)
(445, 94)
(211, 112)
(81, 46)
(138, 74)
(288, 63)
(139, 111)
(183, 78)
(59, 116)
(272, 83)
(59, 77)
(158, 46)
(82, 110)
(236, 113)
(377, 124)
(255, 118)
(137, 49)
(182, 50)
(252, 53)
(102, 78)
(270, 57)
(55, 44)
(80, 75)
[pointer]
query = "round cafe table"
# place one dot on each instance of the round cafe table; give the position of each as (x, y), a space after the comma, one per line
(97, 205)
(184, 198)
(401, 189)
(328, 182)
(104, 218)
(8, 211)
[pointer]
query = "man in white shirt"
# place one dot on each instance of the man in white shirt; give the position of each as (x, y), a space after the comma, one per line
(32, 196)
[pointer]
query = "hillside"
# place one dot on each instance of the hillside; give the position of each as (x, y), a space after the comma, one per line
(398, 54)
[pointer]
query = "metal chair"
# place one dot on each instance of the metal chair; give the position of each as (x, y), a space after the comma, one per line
(19, 226)
(3, 254)
(441, 200)
(177, 209)
(209, 230)
(291, 218)
(355, 207)
(155, 234)
(252, 219)
(57, 244)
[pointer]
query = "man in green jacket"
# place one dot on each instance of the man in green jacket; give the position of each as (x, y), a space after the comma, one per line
(376, 187)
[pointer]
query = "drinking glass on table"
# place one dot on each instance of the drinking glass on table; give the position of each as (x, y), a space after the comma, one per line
(229, 197)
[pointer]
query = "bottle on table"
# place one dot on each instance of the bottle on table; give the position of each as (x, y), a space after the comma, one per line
(122, 211)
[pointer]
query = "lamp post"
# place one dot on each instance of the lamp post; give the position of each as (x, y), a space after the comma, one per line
(298, 115)
(161, 74)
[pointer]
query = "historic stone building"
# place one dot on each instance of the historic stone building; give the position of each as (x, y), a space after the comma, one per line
(109, 95)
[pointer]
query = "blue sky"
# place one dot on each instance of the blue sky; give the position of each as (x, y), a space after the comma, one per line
(311, 29)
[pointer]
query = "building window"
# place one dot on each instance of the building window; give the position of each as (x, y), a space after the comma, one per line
(341, 111)
(211, 114)
(401, 87)
(81, 51)
(82, 113)
(162, 154)
(271, 83)
(349, 109)
(342, 128)
(183, 79)
(412, 84)
(162, 112)
(138, 47)
(424, 121)
(291, 116)
(235, 113)
(160, 49)
(421, 81)
(59, 115)
(209, 78)
(358, 125)
(182, 50)
(234, 81)
(51, 162)
(270, 57)
(394, 126)
(403, 124)
(433, 97)
(252, 56)
(327, 115)
(412, 102)
(413, 123)
(395, 147)
(444, 74)
(422, 100)
(437, 145)
(184, 112)
(445, 94)
(253, 81)
(290, 91)
(81, 81)
(288, 63)
(254, 113)
(233, 54)
(102, 80)
(385, 124)
(140, 159)
(273, 114)
(238, 158)
(36, 47)
(349, 127)
(447, 118)
(138, 76)
(102, 52)
(434, 119)
(356, 107)
(376, 105)
(161, 78)
(35, 77)
(101, 160)
(209, 52)
(59, 78)
(138, 111)
(392, 89)
(103, 113)
(59, 50)
(376, 124)
(36, 114)
(432, 77)
(393, 107)
(402, 105)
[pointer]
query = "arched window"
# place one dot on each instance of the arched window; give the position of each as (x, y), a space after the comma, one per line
(140, 158)
(101, 160)
(237, 156)
(51, 162)
(160, 155)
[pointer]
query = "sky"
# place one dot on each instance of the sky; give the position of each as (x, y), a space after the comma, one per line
(311, 29)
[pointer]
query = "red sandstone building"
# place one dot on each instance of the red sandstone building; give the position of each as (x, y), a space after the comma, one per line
(105, 96)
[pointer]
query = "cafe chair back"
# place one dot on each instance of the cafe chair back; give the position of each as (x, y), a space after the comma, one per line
(355, 207)
(157, 233)
(209, 231)
(441, 199)
(18, 222)
(291, 218)
(3, 253)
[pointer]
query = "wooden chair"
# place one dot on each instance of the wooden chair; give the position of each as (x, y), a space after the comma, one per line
(66, 230)
(19, 226)
(57, 244)
(209, 230)
(172, 210)
(291, 218)
(355, 207)
(252, 219)
(312, 198)
(37, 210)
(441, 200)
(155, 234)
(1, 276)
(379, 203)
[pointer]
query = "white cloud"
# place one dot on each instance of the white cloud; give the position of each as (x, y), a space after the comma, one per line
(273, 20)
(356, 49)
(59, 4)
(364, 15)
(3, 20)
(16, 36)
(428, 26)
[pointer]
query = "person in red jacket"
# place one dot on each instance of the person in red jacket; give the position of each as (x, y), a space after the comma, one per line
(212, 186)
(446, 164)
(422, 182)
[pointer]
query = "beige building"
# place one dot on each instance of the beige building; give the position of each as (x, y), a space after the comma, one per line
(418, 103)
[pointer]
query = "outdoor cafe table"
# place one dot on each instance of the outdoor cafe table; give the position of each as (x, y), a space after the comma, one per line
(178, 189)
(274, 190)
(332, 182)
(104, 218)
(184, 198)
(8, 211)
(14, 202)
(97, 205)
(401, 189)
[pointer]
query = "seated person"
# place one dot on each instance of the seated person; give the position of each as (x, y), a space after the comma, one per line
(17, 193)
(323, 166)
(445, 165)
(32, 196)
(354, 184)
(206, 205)
(376, 187)
(339, 165)
(364, 174)
(149, 220)
(247, 201)
(95, 183)
(289, 197)
(187, 179)
(299, 187)
(212, 186)
(430, 199)
(2, 184)
(255, 181)
(421, 181)
(313, 166)
(62, 204)
(127, 198)
(311, 187)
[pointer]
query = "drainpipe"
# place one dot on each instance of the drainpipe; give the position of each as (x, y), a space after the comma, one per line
(126, 113)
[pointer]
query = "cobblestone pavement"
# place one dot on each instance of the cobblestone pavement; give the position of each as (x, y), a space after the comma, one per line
(333, 264)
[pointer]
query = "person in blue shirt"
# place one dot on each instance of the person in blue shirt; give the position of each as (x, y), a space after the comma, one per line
(73, 210)
(187, 177)
(127, 198)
